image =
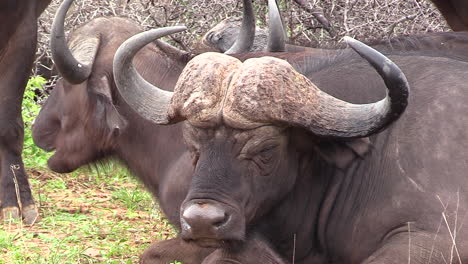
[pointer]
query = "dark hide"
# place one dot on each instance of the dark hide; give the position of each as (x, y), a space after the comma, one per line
(455, 12)
(18, 38)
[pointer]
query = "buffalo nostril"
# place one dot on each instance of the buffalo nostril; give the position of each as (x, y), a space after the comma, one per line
(204, 216)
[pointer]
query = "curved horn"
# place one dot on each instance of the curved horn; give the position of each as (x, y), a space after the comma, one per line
(284, 96)
(246, 36)
(277, 34)
(346, 120)
(69, 67)
(177, 54)
(146, 99)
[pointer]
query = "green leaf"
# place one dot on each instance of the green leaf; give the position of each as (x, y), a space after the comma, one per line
(33, 156)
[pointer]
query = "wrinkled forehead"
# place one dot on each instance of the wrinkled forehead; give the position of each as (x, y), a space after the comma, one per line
(225, 133)
(215, 88)
(202, 86)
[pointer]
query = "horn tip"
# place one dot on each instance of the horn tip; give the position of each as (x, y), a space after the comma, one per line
(349, 40)
(180, 28)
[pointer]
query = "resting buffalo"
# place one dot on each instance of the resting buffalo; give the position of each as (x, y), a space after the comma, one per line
(18, 39)
(300, 160)
(83, 119)
(221, 37)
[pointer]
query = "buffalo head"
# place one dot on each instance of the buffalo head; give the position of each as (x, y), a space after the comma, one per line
(243, 121)
(80, 120)
(221, 37)
(231, 37)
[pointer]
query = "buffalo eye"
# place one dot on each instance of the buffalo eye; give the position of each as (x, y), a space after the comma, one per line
(195, 157)
(194, 154)
(265, 160)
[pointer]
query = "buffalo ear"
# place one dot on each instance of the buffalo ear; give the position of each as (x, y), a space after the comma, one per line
(341, 153)
(114, 121)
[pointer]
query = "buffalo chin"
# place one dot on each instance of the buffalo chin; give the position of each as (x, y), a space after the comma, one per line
(208, 242)
(215, 243)
(55, 164)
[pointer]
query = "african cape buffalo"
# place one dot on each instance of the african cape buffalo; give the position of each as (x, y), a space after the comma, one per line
(221, 37)
(83, 119)
(18, 39)
(281, 170)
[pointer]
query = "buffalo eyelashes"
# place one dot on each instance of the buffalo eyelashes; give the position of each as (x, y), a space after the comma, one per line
(264, 160)
(195, 156)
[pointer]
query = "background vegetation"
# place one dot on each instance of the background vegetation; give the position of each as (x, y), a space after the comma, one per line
(366, 20)
(105, 216)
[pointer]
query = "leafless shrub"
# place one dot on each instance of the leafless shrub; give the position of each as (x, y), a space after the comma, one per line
(366, 20)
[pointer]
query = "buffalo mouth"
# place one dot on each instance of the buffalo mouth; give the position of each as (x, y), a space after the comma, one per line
(209, 242)
(47, 148)
(66, 161)
(44, 140)
(57, 164)
(208, 223)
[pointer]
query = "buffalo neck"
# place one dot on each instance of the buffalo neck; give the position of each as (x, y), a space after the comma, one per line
(148, 150)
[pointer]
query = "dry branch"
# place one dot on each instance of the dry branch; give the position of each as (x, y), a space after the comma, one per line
(367, 20)
(317, 13)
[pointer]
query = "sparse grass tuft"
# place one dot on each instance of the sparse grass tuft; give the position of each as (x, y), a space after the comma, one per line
(133, 198)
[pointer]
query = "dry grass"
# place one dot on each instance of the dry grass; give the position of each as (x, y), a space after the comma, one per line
(85, 218)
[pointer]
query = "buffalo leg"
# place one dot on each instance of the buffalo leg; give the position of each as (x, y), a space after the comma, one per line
(253, 251)
(16, 59)
(14, 184)
(172, 250)
(420, 248)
